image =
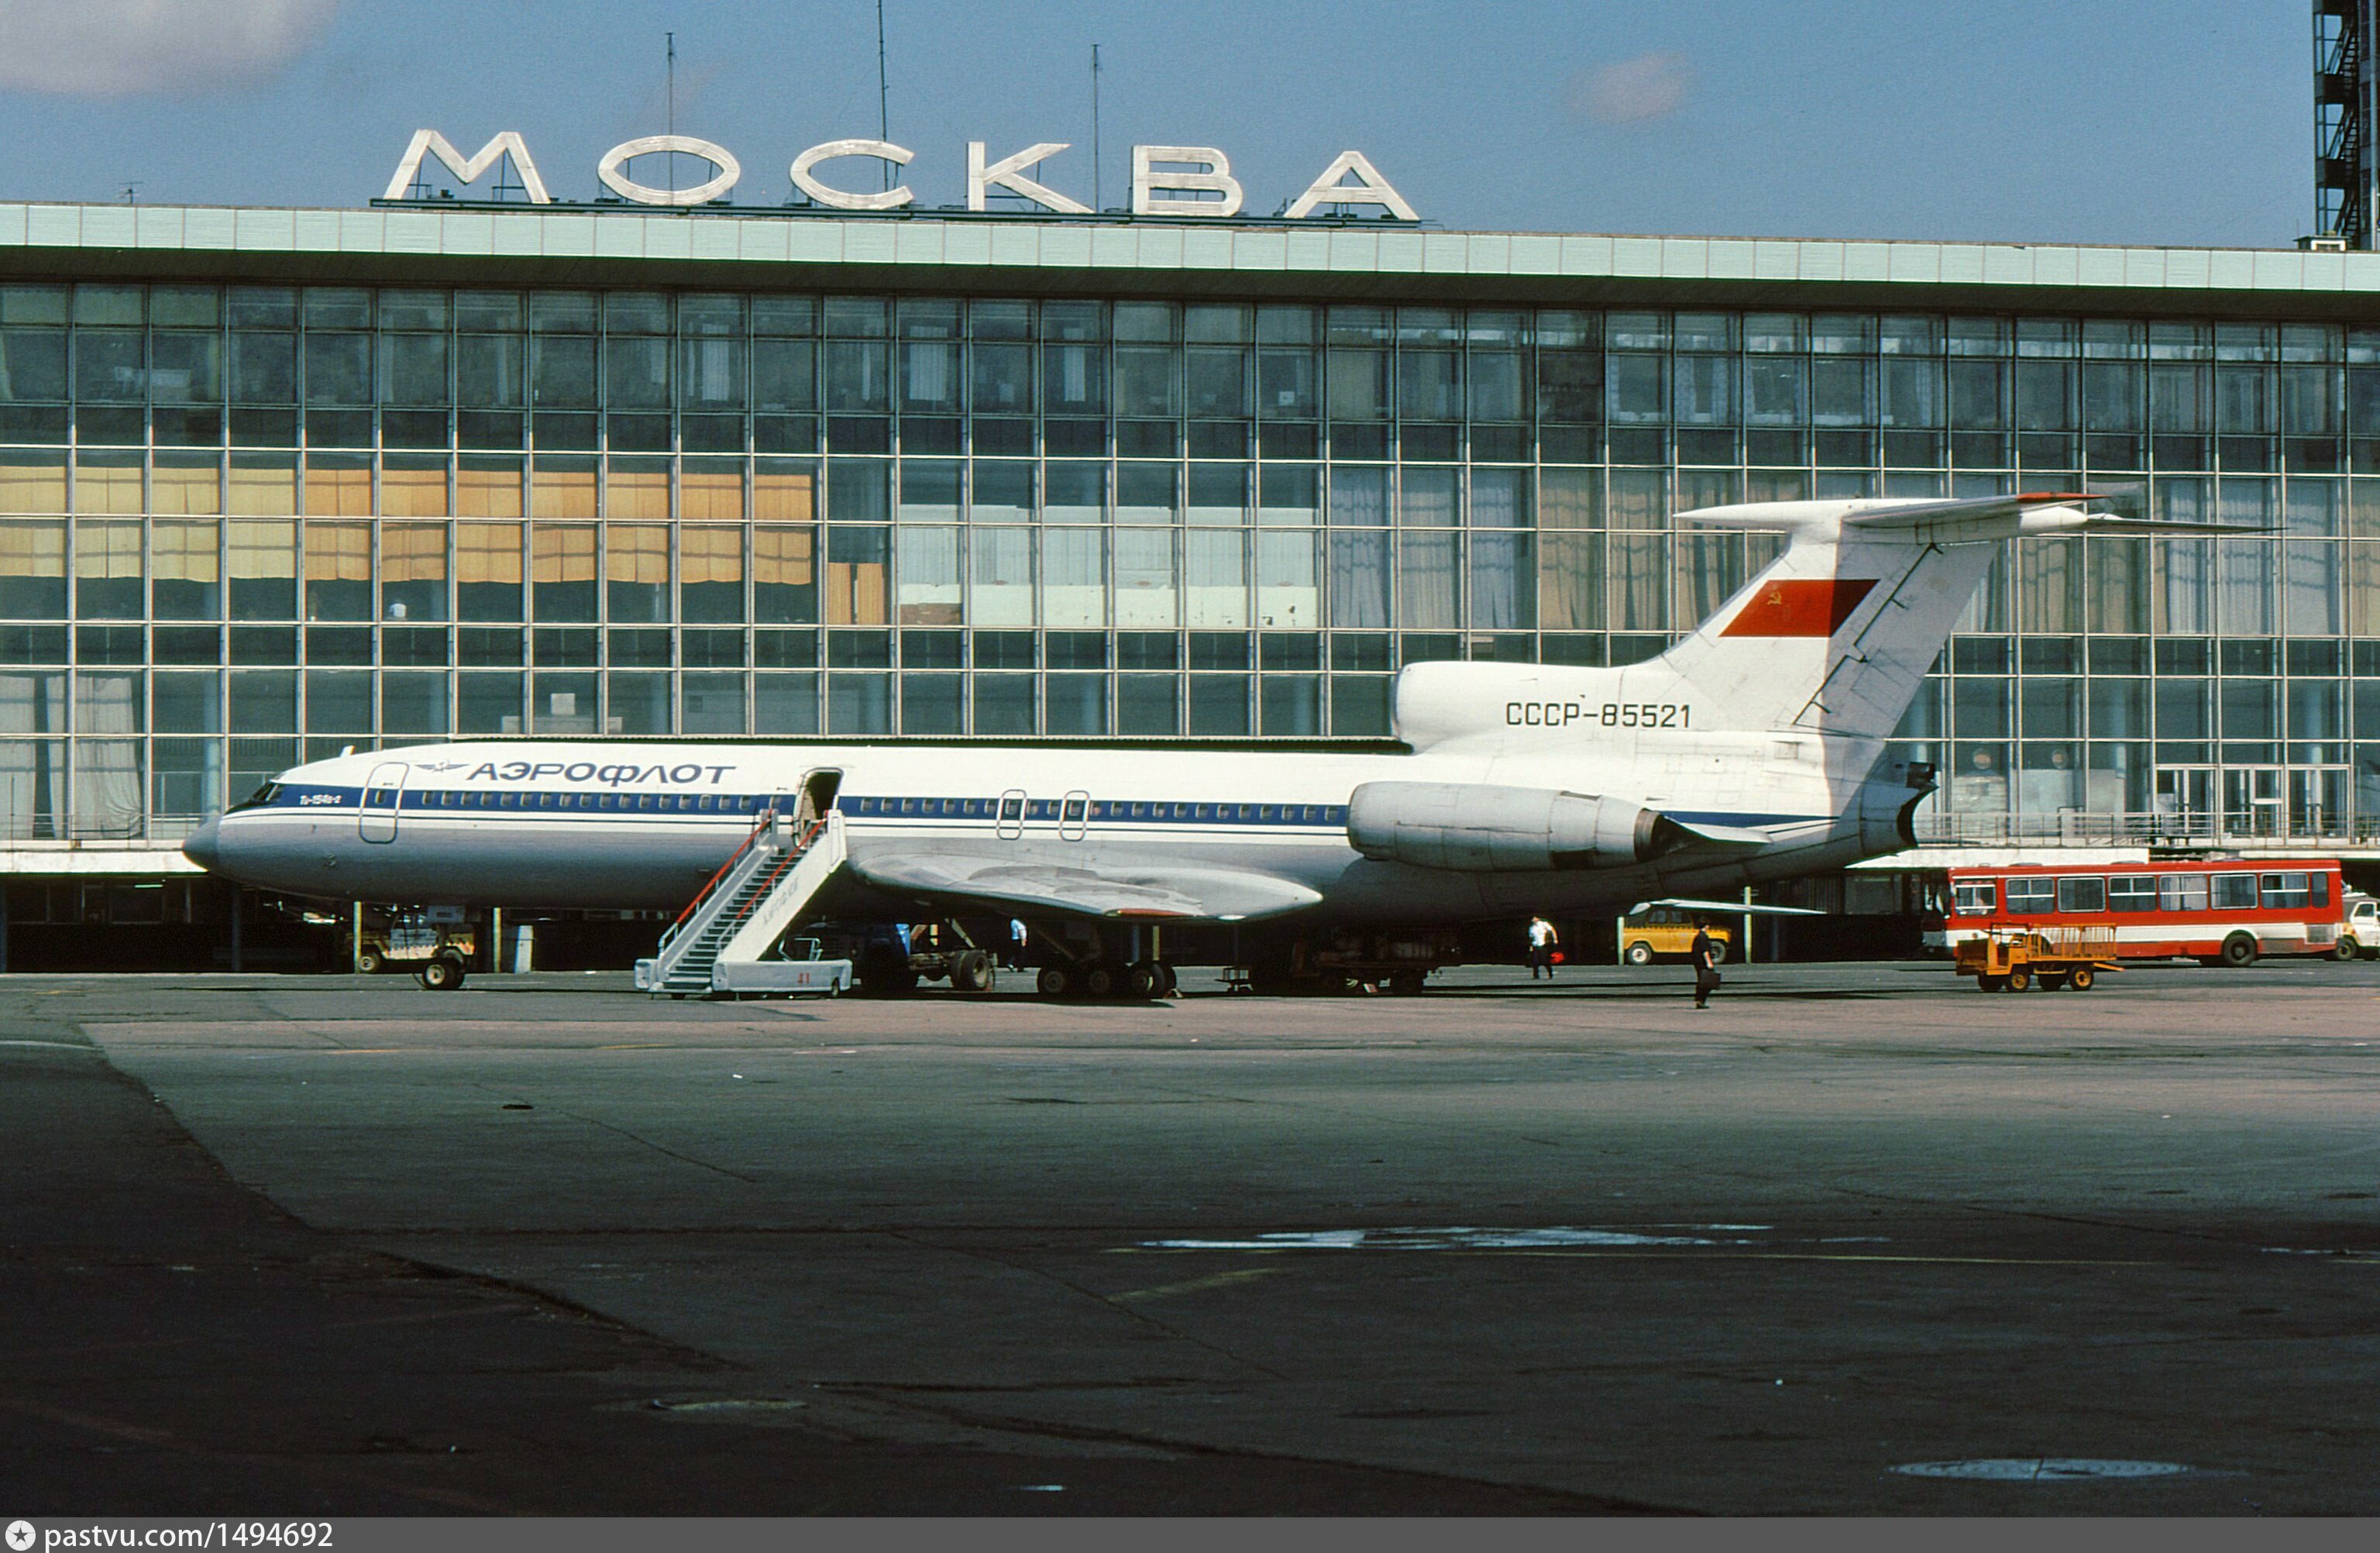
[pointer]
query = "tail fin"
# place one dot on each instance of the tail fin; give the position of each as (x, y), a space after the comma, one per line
(1833, 637)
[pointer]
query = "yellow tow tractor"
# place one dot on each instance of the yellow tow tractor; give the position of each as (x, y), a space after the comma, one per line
(2013, 958)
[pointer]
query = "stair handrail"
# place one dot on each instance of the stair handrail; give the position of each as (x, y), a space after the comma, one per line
(786, 864)
(735, 915)
(669, 935)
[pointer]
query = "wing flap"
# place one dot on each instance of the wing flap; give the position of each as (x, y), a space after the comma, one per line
(1154, 891)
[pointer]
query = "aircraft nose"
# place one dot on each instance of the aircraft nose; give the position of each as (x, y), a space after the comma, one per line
(204, 845)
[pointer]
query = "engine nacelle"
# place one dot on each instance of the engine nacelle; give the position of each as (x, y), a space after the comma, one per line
(1480, 828)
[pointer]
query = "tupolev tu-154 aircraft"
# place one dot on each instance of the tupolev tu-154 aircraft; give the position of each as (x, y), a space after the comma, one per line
(1752, 751)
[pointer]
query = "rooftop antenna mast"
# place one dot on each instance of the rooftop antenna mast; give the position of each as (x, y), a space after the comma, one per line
(669, 102)
(883, 93)
(1095, 128)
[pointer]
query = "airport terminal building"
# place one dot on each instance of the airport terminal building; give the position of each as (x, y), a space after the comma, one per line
(275, 481)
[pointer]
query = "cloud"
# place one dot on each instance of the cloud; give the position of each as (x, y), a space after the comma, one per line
(1650, 86)
(121, 48)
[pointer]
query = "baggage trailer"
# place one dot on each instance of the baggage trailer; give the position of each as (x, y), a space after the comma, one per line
(2013, 958)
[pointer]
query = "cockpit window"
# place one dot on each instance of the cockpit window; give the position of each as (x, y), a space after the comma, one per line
(261, 798)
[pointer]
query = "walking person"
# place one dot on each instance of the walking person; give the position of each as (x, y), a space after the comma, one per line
(1543, 942)
(1706, 953)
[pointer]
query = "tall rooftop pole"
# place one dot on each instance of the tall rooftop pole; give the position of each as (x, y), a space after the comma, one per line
(883, 92)
(1095, 128)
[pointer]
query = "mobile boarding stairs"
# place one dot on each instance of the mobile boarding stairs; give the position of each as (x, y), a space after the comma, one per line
(719, 941)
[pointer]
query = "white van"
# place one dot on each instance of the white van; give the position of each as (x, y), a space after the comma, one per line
(2359, 936)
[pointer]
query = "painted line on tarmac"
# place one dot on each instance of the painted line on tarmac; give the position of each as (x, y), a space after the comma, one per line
(1197, 1286)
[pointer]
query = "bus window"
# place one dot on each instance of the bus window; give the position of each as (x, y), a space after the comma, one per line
(2033, 896)
(2181, 892)
(2322, 889)
(1974, 897)
(2132, 892)
(2235, 892)
(2082, 893)
(2286, 891)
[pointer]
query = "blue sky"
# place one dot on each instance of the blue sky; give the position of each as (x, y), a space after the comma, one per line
(2177, 121)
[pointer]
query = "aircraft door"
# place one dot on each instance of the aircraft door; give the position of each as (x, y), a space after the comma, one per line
(382, 790)
(1073, 815)
(818, 788)
(1011, 821)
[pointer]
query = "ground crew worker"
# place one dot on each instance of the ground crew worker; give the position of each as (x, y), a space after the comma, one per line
(1706, 958)
(1543, 941)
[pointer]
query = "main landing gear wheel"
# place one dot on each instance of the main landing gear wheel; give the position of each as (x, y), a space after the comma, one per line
(1165, 979)
(2082, 979)
(443, 974)
(1640, 953)
(974, 972)
(1055, 981)
(1141, 980)
(1100, 980)
(2238, 949)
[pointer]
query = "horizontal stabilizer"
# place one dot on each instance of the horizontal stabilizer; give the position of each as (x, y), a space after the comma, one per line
(1944, 519)
(1717, 908)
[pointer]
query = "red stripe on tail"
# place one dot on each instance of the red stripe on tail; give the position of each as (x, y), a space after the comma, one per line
(1799, 607)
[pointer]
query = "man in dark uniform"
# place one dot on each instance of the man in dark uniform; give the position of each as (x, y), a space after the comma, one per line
(1706, 959)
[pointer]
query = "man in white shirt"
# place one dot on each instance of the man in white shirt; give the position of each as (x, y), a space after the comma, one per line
(1542, 944)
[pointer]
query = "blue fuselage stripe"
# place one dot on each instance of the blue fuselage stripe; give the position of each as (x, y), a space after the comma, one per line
(462, 803)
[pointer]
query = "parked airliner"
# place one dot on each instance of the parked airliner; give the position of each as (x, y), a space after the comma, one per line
(1754, 750)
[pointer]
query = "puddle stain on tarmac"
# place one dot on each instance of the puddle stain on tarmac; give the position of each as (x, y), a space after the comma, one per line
(1452, 1239)
(2041, 1468)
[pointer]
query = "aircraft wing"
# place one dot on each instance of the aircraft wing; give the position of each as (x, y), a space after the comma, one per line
(1722, 908)
(1159, 891)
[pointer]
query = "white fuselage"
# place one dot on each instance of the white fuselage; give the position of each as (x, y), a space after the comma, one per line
(638, 825)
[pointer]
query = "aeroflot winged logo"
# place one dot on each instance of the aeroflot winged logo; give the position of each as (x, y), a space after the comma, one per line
(1799, 607)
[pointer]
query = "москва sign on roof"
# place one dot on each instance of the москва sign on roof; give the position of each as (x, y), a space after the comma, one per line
(1194, 182)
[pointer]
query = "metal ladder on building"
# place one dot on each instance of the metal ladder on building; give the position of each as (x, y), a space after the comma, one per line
(748, 905)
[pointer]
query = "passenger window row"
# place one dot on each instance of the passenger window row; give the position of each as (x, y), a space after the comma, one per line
(598, 802)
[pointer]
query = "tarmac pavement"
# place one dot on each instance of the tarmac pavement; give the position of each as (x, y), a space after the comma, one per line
(340, 1245)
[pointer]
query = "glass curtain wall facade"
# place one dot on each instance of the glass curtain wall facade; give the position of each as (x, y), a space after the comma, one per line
(242, 526)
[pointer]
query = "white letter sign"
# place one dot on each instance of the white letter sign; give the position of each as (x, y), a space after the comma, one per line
(431, 142)
(1215, 179)
(1369, 189)
(619, 183)
(1009, 173)
(884, 151)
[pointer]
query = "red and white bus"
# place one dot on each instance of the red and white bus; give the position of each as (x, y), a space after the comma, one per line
(2226, 913)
